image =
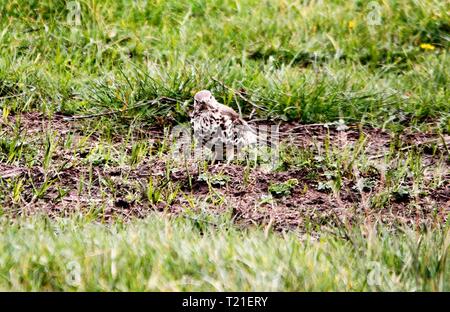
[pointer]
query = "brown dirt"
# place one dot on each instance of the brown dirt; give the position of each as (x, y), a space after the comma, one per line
(120, 191)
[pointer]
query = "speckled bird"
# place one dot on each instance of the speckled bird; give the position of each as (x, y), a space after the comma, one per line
(215, 123)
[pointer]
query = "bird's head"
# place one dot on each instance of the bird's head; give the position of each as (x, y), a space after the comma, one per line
(203, 99)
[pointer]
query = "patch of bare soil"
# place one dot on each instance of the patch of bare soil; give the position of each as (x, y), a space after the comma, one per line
(108, 191)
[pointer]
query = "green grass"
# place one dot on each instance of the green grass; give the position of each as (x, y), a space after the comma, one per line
(300, 60)
(181, 254)
(81, 188)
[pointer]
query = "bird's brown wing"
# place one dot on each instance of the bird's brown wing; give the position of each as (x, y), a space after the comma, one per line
(227, 111)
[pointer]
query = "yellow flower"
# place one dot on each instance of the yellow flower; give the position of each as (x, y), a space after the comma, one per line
(427, 46)
(351, 24)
